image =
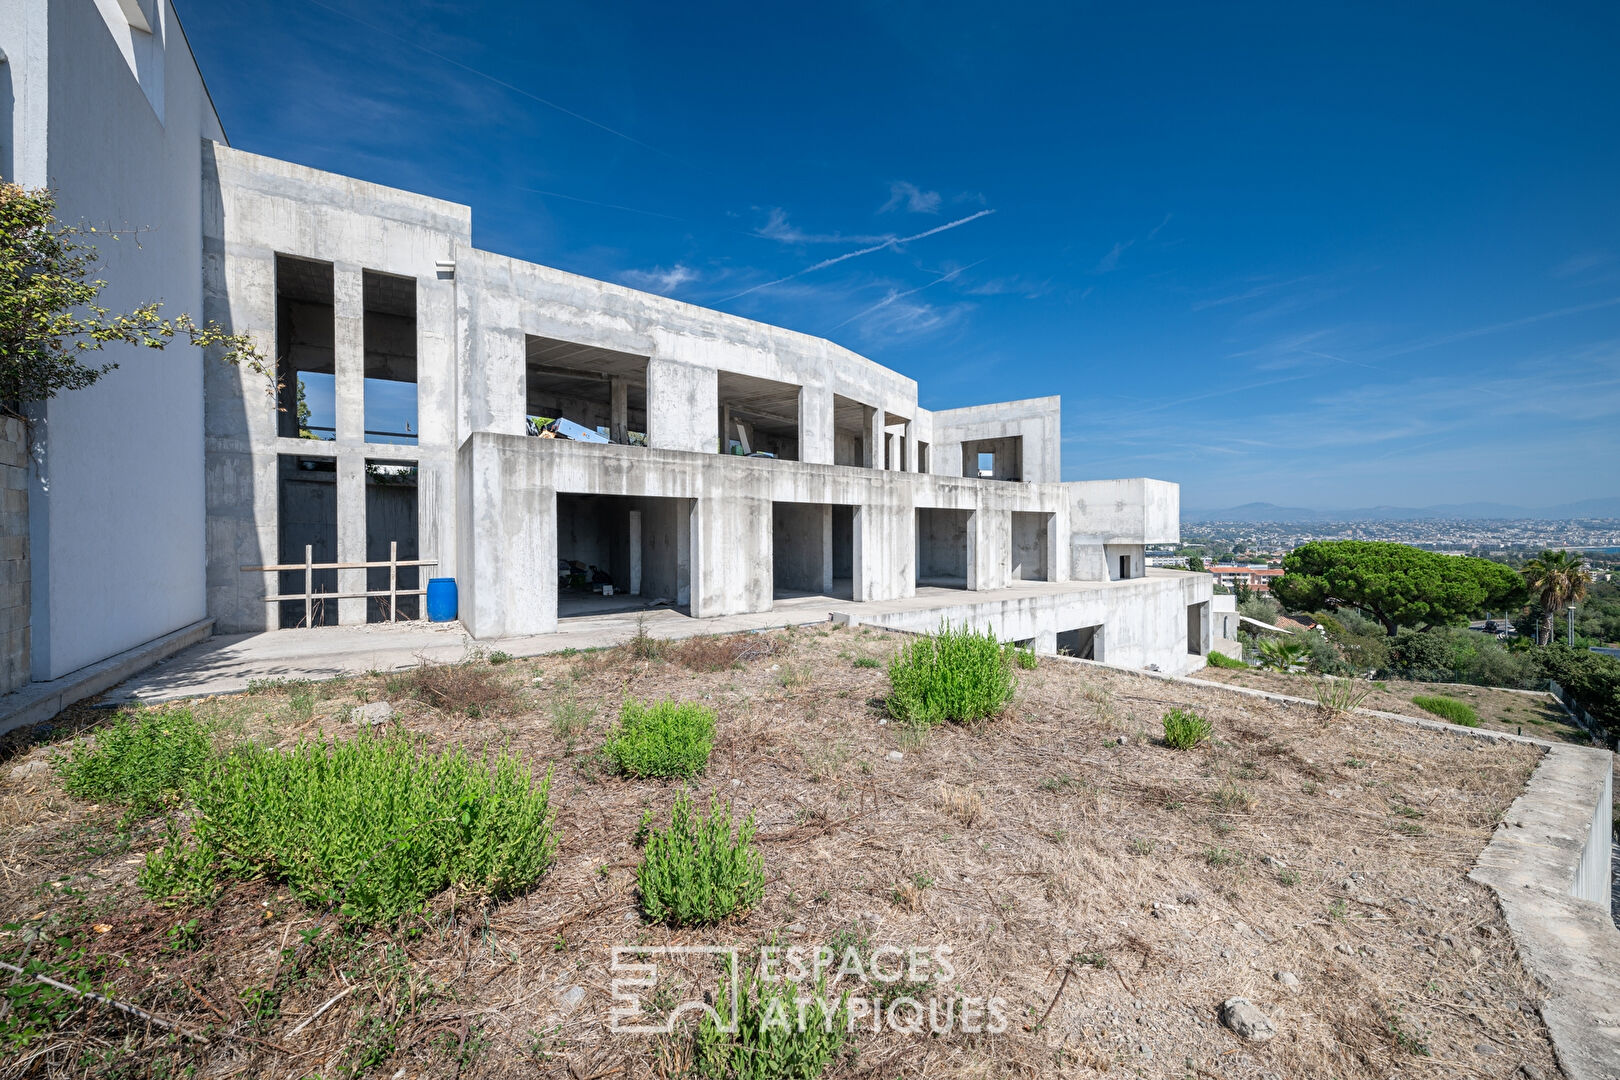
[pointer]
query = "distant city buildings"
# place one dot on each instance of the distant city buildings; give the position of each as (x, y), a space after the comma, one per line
(1257, 576)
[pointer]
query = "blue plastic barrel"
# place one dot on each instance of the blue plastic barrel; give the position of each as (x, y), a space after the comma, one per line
(441, 599)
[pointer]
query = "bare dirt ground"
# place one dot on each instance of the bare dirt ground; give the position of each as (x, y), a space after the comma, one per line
(1077, 867)
(1537, 715)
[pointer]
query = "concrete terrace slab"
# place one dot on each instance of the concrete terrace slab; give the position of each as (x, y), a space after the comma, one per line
(224, 664)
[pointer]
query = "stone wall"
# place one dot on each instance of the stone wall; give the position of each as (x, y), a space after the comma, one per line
(14, 570)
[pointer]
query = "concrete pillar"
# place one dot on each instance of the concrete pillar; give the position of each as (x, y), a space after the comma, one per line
(989, 536)
(731, 543)
(351, 533)
(872, 441)
(826, 549)
(349, 351)
(682, 406)
(1045, 642)
(908, 448)
(619, 408)
(635, 552)
(816, 438)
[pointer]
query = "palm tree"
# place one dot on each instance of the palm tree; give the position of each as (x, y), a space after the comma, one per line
(1555, 578)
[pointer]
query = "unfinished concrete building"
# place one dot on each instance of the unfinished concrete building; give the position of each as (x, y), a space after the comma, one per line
(718, 465)
(706, 464)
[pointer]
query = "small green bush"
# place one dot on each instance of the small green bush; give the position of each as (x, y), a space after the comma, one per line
(773, 1040)
(378, 823)
(666, 738)
(696, 872)
(142, 760)
(1223, 661)
(1024, 657)
(867, 662)
(1185, 729)
(956, 674)
(1458, 712)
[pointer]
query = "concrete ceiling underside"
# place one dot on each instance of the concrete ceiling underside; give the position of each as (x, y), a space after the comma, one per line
(768, 405)
(551, 356)
(304, 280)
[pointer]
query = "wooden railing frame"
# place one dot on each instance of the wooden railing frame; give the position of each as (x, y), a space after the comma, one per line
(309, 595)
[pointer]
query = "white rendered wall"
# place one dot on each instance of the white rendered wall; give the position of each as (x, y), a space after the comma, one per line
(116, 511)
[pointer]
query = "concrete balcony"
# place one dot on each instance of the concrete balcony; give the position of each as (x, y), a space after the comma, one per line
(1138, 511)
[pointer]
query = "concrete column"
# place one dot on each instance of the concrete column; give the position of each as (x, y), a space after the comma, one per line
(731, 541)
(908, 448)
(872, 440)
(351, 533)
(989, 536)
(1046, 642)
(506, 559)
(816, 438)
(682, 405)
(635, 552)
(826, 549)
(349, 352)
(619, 408)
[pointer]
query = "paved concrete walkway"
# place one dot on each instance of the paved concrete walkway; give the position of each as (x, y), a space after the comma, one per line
(226, 663)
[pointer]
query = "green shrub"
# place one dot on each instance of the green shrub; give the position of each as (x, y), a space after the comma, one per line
(773, 1040)
(1458, 712)
(378, 823)
(1185, 729)
(1279, 655)
(1221, 660)
(1335, 697)
(867, 662)
(666, 738)
(1023, 656)
(142, 760)
(696, 872)
(956, 674)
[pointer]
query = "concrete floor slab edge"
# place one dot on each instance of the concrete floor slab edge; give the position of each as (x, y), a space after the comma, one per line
(1548, 863)
(38, 702)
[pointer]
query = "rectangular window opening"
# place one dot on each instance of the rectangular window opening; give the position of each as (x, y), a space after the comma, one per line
(994, 459)
(1084, 643)
(390, 358)
(307, 403)
(584, 393)
(758, 417)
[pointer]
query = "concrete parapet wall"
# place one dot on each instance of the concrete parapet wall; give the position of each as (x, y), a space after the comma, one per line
(1549, 864)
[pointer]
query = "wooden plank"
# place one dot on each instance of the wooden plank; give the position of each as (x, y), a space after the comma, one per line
(342, 565)
(309, 583)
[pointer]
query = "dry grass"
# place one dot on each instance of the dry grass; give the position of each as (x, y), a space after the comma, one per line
(1537, 715)
(472, 688)
(1057, 846)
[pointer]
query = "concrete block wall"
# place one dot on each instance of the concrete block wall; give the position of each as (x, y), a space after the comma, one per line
(15, 578)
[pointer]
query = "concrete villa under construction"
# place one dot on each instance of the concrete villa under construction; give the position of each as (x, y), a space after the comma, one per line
(562, 447)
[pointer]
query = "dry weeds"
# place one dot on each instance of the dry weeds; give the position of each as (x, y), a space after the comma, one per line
(1113, 891)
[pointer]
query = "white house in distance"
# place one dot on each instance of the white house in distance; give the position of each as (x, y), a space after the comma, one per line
(717, 466)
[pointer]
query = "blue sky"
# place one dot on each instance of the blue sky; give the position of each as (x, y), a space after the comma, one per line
(1319, 255)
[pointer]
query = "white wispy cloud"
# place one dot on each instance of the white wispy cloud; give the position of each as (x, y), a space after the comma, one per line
(896, 295)
(1110, 261)
(912, 198)
(888, 242)
(659, 279)
(777, 227)
(1494, 328)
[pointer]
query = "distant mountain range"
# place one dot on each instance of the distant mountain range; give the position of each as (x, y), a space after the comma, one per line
(1262, 511)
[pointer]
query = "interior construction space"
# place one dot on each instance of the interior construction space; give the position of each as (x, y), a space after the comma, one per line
(1084, 643)
(994, 459)
(622, 553)
(391, 533)
(757, 416)
(812, 550)
(306, 518)
(1031, 546)
(942, 547)
(599, 389)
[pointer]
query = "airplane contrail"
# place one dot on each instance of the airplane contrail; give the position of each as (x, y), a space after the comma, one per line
(893, 241)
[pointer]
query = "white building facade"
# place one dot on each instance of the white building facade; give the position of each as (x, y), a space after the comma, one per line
(722, 466)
